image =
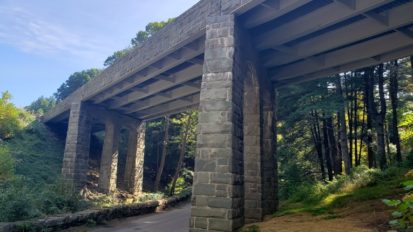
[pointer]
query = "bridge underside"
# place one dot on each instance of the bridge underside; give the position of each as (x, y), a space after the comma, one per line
(225, 57)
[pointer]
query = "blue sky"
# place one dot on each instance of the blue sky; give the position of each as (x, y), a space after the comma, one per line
(42, 42)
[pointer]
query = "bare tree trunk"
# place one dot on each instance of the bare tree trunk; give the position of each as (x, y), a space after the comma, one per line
(393, 90)
(369, 102)
(327, 150)
(380, 121)
(315, 132)
(355, 123)
(333, 145)
(164, 154)
(339, 157)
(362, 133)
(349, 96)
(182, 150)
(343, 130)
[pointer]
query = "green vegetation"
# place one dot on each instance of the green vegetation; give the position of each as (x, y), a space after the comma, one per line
(75, 81)
(12, 119)
(362, 185)
(138, 40)
(29, 176)
(403, 215)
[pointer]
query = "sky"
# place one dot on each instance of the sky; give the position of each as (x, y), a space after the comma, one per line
(42, 42)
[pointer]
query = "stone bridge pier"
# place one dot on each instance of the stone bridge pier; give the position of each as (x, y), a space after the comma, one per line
(235, 166)
(76, 156)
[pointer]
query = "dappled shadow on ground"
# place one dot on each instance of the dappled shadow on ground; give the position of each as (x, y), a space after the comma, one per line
(365, 216)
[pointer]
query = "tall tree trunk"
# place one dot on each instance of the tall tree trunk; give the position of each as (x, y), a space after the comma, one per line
(182, 150)
(333, 146)
(381, 151)
(393, 90)
(355, 123)
(343, 129)
(327, 150)
(164, 154)
(369, 102)
(339, 158)
(315, 132)
(349, 96)
(362, 133)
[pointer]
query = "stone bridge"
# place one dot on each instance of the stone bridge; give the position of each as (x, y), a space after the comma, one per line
(226, 57)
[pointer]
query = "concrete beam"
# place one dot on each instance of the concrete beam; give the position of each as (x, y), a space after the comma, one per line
(181, 77)
(322, 18)
(366, 49)
(354, 65)
(185, 55)
(263, 14)
(170, 106)
(359, 30)
(171, 112)
(180, 92)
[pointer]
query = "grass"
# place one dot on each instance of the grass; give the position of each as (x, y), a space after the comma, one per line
(362, 185)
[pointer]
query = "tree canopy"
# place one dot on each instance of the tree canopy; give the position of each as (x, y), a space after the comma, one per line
(140, 37)
(75, 81)
(41, 105)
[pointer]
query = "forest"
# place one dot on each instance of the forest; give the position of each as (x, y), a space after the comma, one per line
(347, 137)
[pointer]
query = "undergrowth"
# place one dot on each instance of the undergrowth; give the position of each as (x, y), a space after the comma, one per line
(363, 184)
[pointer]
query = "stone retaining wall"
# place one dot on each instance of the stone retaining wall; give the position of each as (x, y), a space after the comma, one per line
(57, 223)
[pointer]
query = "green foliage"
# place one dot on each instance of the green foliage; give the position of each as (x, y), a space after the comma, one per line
(137, 41)
(12, 119)
(38, 153)
(41, 105)
(116, 56)
(150, 30)
(74, 82)
(20, 199)
(403, 214)
(6, 165)
(363, 184)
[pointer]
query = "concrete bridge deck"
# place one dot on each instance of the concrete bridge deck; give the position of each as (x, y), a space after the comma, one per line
(226, 57)
(296, 39)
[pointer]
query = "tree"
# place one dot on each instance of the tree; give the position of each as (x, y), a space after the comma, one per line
(149, 31)
(41, 105)
(12, 119)
(116, 56)
(138, 40)
(393, 91)
(164, 154)
(343, 128)
(187, 124)
(74, 82)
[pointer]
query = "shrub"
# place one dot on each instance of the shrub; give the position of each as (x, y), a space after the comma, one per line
(6, 165)
(21, 200)
(403, 215)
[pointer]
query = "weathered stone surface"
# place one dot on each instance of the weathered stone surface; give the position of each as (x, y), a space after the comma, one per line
(217, 184)
(76, 156)
(110, 154)
(133, 176)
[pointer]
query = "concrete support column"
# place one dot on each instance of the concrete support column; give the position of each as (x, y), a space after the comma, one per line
(76, 155)
(217, 202)
(110, 153)
(133, 177)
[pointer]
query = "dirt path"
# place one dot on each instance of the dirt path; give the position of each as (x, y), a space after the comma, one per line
(369, 216)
